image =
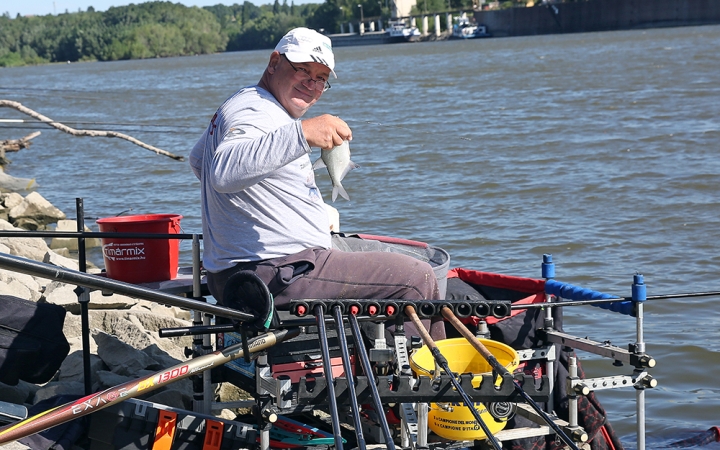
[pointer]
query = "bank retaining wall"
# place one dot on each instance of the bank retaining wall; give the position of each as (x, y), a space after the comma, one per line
(599, 15)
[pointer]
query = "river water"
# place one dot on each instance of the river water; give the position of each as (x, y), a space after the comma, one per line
(599, 148)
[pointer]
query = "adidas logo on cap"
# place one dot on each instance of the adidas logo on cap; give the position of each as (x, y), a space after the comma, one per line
(317, 49)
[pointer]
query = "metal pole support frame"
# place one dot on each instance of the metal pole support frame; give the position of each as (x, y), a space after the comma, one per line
(639, 296)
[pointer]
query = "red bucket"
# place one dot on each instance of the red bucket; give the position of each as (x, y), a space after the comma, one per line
(141, 260)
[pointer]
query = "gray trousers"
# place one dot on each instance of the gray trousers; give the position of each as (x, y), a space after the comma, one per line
(320, 273)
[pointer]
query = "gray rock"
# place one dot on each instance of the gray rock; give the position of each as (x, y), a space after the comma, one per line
(16, 289)
(8, 276)
(73, 368)
(11, 199)
(106, 379)
(60, 261)
(162, 310)
(120, 357)
(30, 248)
(34, 206)
(64, 295)
(28, 223)
(71, 243)
(227, 392)
(161, 356)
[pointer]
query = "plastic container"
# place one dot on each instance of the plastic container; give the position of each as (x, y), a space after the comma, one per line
(454, 420)
(440, 262)
(141, 260)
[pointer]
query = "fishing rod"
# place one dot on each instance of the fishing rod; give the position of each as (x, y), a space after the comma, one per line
(442, 362)
(329, 379)
(29, 128)
(401, 127)
(76, 122)
(57, 273)
(615, 299)
(347, 365)
(133, 388)
(372, 382)
(502, 370)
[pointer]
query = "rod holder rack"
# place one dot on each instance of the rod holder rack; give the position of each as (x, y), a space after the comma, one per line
(389, 309)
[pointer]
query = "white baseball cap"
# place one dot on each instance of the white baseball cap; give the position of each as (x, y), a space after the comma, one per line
(302, 45)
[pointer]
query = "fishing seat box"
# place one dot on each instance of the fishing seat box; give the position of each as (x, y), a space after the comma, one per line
(141, 425)
(297, 358)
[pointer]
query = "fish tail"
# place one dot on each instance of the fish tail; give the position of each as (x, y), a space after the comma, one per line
(339, 189)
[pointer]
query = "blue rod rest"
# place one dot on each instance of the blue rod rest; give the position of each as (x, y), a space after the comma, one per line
(570, 292)
(639, 290)
(548, 267)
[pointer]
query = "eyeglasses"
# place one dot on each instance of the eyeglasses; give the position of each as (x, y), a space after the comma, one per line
(304, 76)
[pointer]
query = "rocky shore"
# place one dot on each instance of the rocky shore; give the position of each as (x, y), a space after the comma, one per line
(124, 331)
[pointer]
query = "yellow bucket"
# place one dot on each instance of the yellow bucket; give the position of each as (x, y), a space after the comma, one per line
(455, 420)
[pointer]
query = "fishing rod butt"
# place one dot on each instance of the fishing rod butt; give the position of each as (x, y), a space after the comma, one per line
(372, 309)
(299, 309)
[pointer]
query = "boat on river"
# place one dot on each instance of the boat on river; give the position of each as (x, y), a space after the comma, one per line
(399, 31)
(317, 378)
(465, 28)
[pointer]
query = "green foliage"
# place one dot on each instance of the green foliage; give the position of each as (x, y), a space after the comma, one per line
(146, 30)
(11, 59)
(265, 31)
(162, 28)
(326, 17)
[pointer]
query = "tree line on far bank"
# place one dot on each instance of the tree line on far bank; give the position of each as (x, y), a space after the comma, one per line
(161, 28)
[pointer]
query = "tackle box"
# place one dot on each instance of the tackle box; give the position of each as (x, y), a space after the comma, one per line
(141, 425)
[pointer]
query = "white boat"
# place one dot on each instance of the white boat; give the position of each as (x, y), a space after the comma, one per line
(399, 31)
(465, 28)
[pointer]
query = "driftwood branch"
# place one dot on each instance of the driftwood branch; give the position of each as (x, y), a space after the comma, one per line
(74, 132)
(14, 145)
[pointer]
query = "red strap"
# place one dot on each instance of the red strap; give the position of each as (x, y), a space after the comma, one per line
(213, 434)
(165, 431)
(606, 435)
(393, 240)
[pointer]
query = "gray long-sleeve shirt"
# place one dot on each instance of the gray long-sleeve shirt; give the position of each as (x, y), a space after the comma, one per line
(259, 197)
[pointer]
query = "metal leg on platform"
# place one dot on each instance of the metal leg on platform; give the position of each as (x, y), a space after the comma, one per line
(197, 380)
(327, 368)
(203, 394)
(572, 396)
(83, 295)
(422, 420)
(639, 295)
(372, 381)
(548, 271)
(264, 417)
(342, 341)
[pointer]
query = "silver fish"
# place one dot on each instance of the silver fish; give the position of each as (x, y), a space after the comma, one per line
(337, 161)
